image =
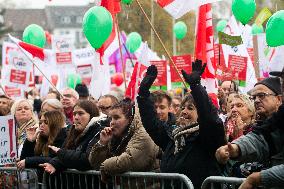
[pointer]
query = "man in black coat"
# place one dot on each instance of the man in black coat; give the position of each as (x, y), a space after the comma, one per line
(198, 134)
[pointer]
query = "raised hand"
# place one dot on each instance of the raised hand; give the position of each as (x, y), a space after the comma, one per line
(195, 76)
(105, 136)
(148, 80)
(48, 168)
(224, 153)
(32, 133)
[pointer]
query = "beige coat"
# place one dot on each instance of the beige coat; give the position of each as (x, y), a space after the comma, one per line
(139, 154)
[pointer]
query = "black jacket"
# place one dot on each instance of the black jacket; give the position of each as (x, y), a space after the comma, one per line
(77, 157)
(32, 161)
(197, 159)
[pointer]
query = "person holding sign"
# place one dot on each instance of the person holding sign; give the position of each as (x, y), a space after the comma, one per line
(51, 131)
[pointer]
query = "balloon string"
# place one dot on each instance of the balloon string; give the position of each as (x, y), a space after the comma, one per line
(163, 45)
(120, 51)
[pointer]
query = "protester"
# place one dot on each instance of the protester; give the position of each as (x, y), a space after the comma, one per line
(80, 138)
(227, 87)
(199, 130)
(162, 102)
(241, 116)
(25, 118)
(105, 102)
(51, 105)
(52, 94)
(69, 99)
(175, 105)
(51, 132)
(263, 144)
(267, 97)
(5, 105)
(125, 145)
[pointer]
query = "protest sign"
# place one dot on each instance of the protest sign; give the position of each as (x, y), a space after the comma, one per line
(239, 66)
(8, 148)
(161, 79)
(182, 62)
(63, 50)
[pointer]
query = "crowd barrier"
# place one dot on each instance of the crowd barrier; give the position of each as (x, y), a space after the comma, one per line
(222, 182)
(131, 180)
(11, 177)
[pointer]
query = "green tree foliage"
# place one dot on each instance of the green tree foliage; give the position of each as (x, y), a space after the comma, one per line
(132, 19)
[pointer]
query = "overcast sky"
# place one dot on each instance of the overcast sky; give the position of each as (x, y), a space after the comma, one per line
(42, 3)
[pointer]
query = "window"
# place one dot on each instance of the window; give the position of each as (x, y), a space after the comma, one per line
(79, 19)
(65, 20)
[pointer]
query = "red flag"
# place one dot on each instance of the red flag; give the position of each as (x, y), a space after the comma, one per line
(204, 48)
(29, 49)
(113, 6)
(135, 79)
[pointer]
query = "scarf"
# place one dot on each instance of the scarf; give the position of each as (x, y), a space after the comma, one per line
(22, 135)
(180, 133)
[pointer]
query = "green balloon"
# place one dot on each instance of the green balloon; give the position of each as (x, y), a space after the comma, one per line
(274, 29)
(256, 29)
(243, 10)
(73, 80)
(97, 25)
(180, 30)
(35, 35)
(221, 25)
(133, 41)
(127, 2)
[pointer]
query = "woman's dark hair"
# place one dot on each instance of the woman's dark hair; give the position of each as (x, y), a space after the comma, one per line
(187, 99)
(127, 107)
(90, 107)
(73, 135)
(56, 121)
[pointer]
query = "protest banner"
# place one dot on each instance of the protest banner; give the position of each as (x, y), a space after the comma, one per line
(8, 150)
(263, 15)
(161, 79)
(16, 70)
(239, 66)
(182, 62)
(63, 49)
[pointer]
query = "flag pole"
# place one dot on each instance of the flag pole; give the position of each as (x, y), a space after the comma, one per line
(160, 40)
(120, 51)
(3, 90)
(39, 70)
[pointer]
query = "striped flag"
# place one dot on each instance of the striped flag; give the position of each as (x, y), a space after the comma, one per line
(204, 47)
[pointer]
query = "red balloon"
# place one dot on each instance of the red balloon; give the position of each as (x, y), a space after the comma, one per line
(54, 79)
(117, 79)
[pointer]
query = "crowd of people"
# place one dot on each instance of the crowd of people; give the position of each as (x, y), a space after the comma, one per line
(242, 136)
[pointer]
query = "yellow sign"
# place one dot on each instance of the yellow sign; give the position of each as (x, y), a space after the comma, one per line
(262, 16)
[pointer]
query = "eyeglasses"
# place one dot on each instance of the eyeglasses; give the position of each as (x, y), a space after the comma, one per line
(261, 96)
(104, 108)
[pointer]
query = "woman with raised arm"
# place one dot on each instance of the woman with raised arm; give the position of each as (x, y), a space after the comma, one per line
(198, 131)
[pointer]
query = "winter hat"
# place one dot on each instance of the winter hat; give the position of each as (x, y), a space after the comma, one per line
(273, 83)
(82, 90)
